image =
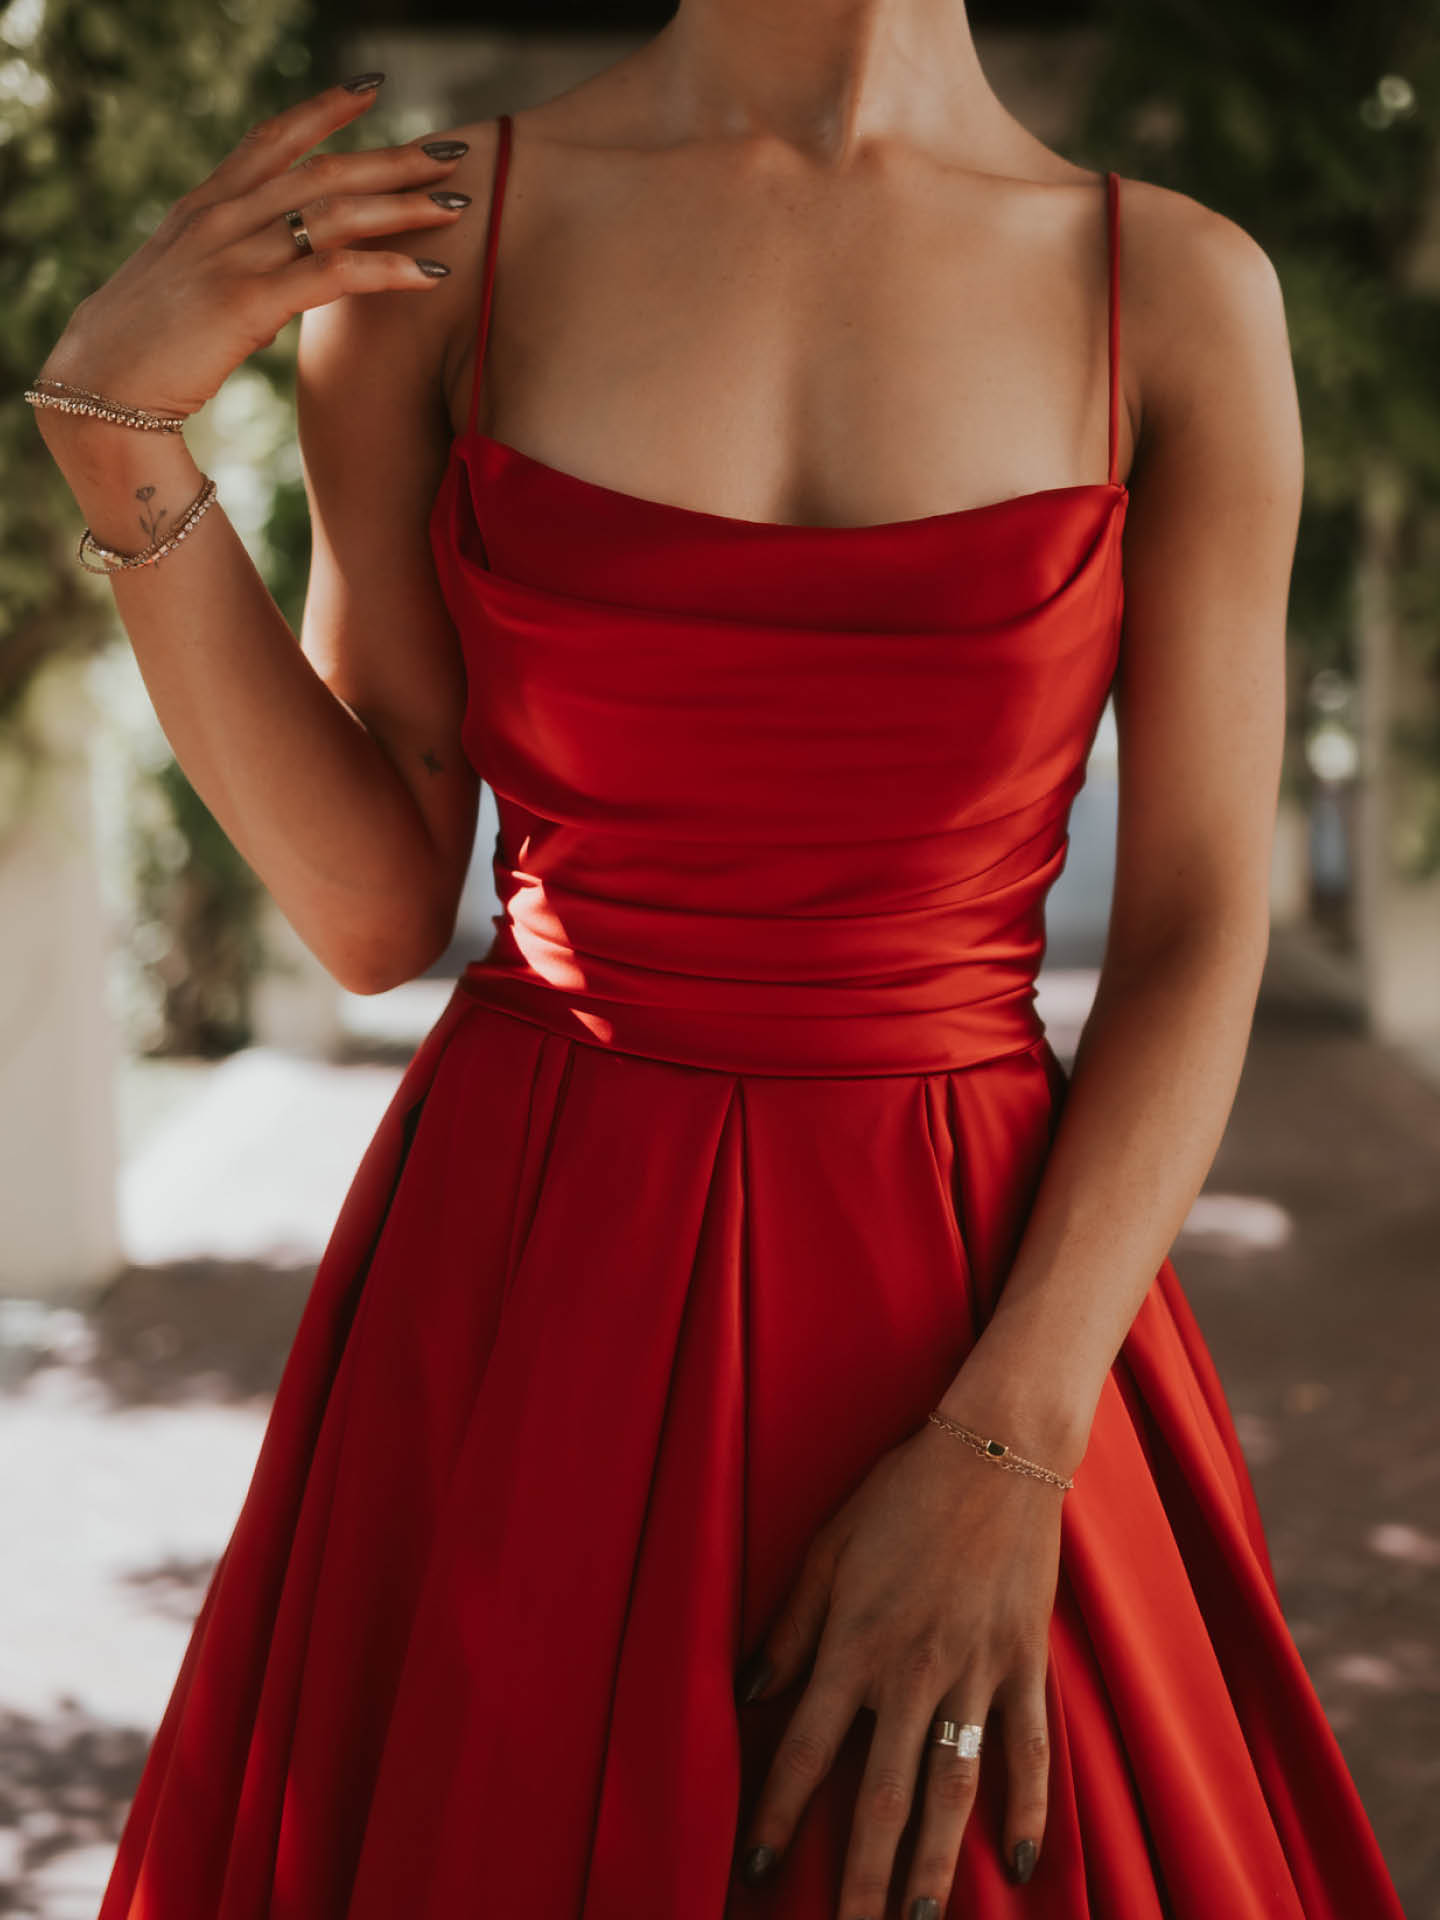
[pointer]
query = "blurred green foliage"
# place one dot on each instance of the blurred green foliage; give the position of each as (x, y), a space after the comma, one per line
(201, 943)
(1315, 125)
(109, 110)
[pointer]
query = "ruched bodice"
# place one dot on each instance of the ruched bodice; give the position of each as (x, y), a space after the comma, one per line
(785, 799)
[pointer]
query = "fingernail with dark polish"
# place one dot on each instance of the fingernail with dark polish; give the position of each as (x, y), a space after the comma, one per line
(363, 83)
(925, 1909)
(753, 1680)
(435, 268)
(445, 149)
(758, 1863)
(1024, 1859)
(451, 201)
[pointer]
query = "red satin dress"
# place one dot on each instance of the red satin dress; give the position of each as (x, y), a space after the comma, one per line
(688, 1207)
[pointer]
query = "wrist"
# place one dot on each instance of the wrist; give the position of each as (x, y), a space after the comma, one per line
(1004, 1398)
(76, 434)
(81, 444)
(87, 418)
(126, 482)
(90, 356)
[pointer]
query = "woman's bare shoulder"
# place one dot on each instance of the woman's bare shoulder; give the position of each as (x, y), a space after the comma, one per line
(399, 348)
(1201, 303)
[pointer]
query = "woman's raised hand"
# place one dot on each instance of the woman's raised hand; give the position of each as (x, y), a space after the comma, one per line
(927, 1595)
(222, 272)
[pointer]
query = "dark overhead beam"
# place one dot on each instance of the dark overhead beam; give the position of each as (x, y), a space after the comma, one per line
(622, 16)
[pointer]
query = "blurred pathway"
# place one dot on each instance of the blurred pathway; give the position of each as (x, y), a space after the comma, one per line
(1328, 1344)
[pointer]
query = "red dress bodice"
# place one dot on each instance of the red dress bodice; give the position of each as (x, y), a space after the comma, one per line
(772, 797)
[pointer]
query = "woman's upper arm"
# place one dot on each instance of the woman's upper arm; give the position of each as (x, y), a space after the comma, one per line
(1208, 549)
(375, 434)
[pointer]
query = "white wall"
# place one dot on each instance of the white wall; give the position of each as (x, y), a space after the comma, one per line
(58, 1232)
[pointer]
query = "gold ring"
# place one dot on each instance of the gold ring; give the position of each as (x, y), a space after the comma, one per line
(295, 220)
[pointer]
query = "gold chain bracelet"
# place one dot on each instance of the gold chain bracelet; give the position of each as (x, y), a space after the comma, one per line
(49, 392)
(113, 562)
(1002, 1455)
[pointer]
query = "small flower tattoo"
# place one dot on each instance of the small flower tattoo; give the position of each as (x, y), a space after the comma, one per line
(150, 521)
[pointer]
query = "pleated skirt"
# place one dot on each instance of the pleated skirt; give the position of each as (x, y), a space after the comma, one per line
(596, 1345)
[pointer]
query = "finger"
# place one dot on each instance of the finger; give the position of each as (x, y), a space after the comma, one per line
(320, 183)
(795, 1633)
(952, 1779)
(272, 144)
(887, 1787)
(342, 222)
(805, 1754)
(314, 279)
(333, 178)
(1026, 1736)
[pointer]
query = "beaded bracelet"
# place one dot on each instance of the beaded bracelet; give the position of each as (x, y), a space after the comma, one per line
(1002, 1455)
(115, 562)
(49, 392)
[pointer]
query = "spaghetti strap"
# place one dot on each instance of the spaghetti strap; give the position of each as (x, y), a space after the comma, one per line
(1112, 230)
(487, 284)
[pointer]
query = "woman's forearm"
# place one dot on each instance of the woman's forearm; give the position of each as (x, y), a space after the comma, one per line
(308, 796)
(1151, 1088)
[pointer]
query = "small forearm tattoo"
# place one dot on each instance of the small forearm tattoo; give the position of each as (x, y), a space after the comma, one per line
(151, 517)
(431, 759)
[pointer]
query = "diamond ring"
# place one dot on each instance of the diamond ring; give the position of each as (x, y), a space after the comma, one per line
(965, 1740)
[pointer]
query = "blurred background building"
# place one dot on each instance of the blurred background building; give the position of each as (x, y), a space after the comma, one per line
(184, 1092)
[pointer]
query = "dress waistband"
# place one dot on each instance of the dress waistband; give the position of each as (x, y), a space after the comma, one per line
(913, 956)
(844, 1032)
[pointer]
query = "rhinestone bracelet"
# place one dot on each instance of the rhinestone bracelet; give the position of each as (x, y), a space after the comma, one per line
(49, 392)
(1002, 1455)
(114, 562)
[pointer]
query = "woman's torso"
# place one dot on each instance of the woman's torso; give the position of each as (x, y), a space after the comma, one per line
(775, 798)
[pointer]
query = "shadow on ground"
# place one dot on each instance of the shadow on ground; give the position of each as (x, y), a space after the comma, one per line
(1326, 1346)
(185, 1337)
(192, 1330)
(65, 1785)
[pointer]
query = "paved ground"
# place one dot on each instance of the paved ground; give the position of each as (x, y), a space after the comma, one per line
(1312, 1261)
(1327, 1345)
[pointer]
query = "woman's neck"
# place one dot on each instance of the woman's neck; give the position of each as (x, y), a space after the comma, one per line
(825, 76)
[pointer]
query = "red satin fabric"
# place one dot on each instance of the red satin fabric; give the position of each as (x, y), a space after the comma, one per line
(777, 844)
(688, 1207)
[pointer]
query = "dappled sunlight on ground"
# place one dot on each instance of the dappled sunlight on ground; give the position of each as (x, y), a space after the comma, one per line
(118, 1489)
